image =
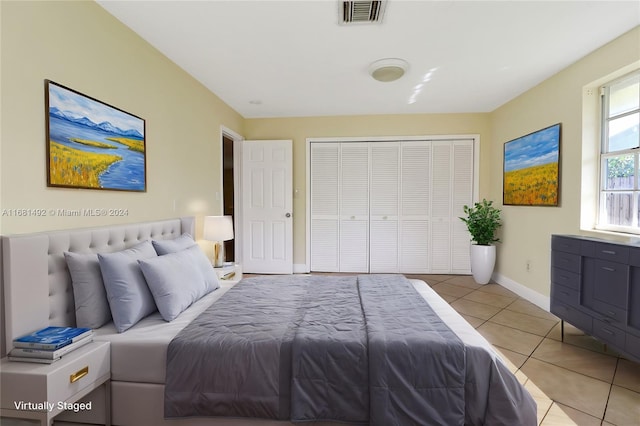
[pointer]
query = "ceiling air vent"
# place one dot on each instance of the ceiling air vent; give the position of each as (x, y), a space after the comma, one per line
(362, 11)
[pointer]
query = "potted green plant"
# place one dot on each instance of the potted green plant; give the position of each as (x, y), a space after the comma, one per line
(482, 220)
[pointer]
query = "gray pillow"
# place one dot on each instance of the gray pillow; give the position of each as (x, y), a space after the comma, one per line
(92, 307)
(203, 264)
(127, 292)
(176, 280)
(171, 246)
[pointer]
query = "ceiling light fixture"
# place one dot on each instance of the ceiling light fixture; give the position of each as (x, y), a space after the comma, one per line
(389, 69)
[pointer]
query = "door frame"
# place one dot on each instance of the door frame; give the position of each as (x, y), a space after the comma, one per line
(237, 182)
(309, 141)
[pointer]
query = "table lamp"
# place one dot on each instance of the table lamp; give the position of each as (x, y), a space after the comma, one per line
(218, 229)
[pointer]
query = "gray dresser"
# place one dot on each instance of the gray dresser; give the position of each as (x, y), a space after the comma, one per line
(595, 286)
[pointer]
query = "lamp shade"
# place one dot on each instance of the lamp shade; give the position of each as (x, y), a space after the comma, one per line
(218, 228)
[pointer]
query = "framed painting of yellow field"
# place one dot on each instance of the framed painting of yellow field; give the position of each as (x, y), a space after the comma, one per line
(532, 169)
(92, 145)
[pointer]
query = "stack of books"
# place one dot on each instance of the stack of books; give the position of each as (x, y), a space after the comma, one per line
(49, 344)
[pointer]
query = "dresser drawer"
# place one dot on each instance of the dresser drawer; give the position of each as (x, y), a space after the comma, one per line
(612, 313)
(572, 315)
(565, 278)
(73, 373)
(566, 244)
(634, 256)
(567, 261)
(612, 252)
(632, 345)
(612, 283)
(608, 333)
(565, 294)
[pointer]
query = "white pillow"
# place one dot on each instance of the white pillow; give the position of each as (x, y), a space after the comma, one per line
(176, 280)
(129, 297)
(171, 246)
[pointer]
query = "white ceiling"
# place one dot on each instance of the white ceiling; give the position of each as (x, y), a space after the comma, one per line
(271, 58)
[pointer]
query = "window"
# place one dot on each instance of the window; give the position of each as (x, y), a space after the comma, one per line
(620, 158)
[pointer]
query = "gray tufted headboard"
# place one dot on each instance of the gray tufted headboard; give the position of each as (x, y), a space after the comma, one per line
(37, 284)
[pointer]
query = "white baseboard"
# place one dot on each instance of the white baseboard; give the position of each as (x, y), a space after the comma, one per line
(301, 268)
(543, 302)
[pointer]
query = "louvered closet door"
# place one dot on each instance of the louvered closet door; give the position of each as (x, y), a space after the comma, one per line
(391, 206)
(354, 207)
(414, 207)
(324, 207)
(384, 190)
(452, 188)
(462, 195)
(441, 188)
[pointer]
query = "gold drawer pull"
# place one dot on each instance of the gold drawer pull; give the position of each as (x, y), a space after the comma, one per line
(79, 374)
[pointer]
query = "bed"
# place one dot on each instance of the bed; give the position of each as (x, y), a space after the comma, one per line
(38, 293)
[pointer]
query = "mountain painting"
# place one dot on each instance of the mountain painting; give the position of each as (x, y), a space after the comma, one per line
(532, 169)
(91, 144)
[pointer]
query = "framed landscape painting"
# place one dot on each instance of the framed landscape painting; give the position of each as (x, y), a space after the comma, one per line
(532, 169)
(91, 144)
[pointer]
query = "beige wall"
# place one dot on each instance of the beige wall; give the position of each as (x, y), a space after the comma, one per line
(299, 129)
(80, 45)
(526, 233)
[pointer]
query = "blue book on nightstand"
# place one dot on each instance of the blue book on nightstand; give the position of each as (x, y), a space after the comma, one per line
(52, 338)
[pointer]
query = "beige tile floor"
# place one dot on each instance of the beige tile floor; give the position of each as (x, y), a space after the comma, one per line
(575, 382)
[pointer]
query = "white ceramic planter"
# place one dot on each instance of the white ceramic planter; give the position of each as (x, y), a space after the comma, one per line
(483, 259)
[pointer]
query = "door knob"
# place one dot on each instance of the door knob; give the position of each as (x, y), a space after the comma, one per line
(288, 215)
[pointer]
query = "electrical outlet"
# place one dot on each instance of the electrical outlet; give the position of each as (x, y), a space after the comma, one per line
(528, 265)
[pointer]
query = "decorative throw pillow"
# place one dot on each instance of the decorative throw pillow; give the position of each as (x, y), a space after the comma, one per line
(177, 280)
(92, 307)
(171, 246)
(129, 297)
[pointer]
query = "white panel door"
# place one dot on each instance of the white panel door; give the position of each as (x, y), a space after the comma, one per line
(384, 192)
(325, 191)
(267, 207)
(415, 178)
(354, 207)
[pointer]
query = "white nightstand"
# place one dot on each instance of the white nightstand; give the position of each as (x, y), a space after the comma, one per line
(232, 271)
(63, 382)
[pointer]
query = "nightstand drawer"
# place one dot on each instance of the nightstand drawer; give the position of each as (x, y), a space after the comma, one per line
(57, 382)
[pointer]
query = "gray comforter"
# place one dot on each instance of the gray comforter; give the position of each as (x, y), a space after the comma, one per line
(359, 350)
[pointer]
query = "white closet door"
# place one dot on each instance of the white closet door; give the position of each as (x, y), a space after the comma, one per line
(354, 207)
(384, 190)
(391, 206)
(414, 206)
(324, 207)
(462, 195)
(441, 186)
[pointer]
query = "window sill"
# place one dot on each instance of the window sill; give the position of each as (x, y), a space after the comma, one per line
(612, 235)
